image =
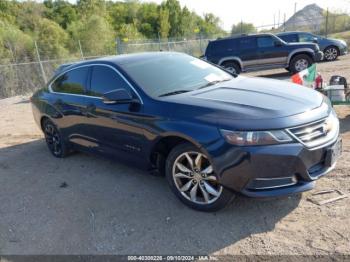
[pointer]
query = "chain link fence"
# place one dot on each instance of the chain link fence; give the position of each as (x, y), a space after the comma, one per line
(22, 74)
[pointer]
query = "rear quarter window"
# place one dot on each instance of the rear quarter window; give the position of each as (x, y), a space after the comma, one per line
(247, 43)
(221, 46)
(72, 82)
(293, 38)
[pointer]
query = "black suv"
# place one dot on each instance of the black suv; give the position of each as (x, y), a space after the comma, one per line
(261, 51)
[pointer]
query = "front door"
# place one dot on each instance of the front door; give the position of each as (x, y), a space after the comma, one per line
(115, 128)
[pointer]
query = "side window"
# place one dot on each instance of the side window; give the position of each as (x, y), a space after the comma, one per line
(303, 37)
(266, 41)
(247, 43)
(72, 82)
(105, 79)
(292, 38)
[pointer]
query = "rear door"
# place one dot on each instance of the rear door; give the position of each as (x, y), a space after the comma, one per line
(248, 52)
(69, 91)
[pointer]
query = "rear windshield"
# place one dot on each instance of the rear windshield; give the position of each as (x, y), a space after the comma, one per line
(172, 72)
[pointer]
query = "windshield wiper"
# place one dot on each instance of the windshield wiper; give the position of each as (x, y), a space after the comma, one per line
(213, 83)
(175, 92)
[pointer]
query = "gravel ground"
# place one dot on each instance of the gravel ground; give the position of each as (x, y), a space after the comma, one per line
(89, 205)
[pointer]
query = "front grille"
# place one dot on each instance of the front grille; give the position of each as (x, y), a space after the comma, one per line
(317, 133)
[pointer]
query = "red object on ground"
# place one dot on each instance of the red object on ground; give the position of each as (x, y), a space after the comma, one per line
(297, 79)
(318, 81)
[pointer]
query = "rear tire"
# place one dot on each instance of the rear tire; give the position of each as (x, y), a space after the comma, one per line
(331, 53)
(54, 140)
(300, 63)
(195, 183)
(232, 67)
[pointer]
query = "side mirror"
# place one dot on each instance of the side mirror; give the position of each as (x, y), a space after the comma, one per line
(278, 43)
(315, 40)
(117, 96)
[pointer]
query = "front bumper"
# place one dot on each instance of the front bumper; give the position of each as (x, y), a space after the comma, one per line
(343, 51)
(270, 171)
(319, 56)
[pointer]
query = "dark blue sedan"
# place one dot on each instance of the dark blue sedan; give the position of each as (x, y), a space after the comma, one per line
(211, 133)
(332, 48)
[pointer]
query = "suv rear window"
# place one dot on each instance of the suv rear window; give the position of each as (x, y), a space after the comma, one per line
(247, 43)
(220, 46)
(266, 41)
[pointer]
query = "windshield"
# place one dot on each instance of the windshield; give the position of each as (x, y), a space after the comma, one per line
(173, 73)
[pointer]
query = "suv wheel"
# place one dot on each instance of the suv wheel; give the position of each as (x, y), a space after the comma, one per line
(331, 53)
(300, 63)
(191, 177)
(232, 67)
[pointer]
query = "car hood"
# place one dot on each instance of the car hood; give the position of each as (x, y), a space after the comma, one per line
(247, 99)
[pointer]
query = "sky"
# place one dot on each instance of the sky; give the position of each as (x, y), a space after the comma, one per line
(258, 12)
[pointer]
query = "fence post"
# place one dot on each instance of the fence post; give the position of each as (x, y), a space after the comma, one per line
(81, 50)
(40, 63)
(119, 46)
(168, 44)
(159, 41)
(200, 43)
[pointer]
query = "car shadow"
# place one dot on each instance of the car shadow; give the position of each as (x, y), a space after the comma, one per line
(90, 205)
(279, 76)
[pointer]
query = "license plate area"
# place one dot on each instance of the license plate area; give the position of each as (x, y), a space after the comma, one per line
(333, 153)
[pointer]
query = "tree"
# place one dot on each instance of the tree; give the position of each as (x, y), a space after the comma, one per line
(174, 9)
(61, 12)
(51, 39)
(15, 45)
(164, 25)
(210, 26)
(243, 28)
(95, 34)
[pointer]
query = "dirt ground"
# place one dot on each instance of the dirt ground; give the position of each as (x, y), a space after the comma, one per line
(110, 208)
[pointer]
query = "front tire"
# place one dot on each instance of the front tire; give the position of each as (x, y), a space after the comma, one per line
(191, 178)
(331, 53)
(300, 63)
(232, 67)
(54, 140)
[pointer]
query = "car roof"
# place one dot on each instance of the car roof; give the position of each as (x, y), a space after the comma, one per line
(241, 36)
(119, 59)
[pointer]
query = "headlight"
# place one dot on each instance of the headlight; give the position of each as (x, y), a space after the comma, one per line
(251, 138)
(343, 42)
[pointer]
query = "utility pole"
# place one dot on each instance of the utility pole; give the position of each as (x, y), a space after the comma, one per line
(284, 22)
(326, 29)
(295, 10)
(241, 26)
(279, 16)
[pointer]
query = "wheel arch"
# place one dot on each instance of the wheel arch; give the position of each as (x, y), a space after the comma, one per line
(304, 51)
(162, 147)
(332, 45)
(234, 59)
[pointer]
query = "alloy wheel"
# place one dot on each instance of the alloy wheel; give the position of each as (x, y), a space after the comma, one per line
(194, 178)
(53, 139)
(331, 54)
(301, 64)
(231, 69)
